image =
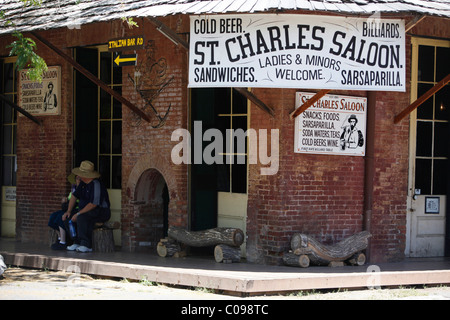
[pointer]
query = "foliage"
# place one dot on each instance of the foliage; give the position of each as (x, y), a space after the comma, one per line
(24, 48)
(32, 2)
(130, 22)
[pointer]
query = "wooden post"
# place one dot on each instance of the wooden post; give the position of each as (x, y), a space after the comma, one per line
(369, 166)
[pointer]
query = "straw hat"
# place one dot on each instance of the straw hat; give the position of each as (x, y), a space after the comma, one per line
(72, 178)
(86, 170)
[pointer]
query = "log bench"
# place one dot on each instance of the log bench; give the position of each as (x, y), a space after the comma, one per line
(306, 250)
(102, 236)
(227, 242)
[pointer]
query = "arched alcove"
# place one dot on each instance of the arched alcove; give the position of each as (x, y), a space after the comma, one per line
(150, 209)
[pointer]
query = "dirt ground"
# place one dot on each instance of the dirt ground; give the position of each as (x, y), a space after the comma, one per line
(31, 284)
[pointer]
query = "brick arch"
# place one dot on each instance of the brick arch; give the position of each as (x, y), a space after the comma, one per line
(145, 163)
(151, 193)
(149, 186)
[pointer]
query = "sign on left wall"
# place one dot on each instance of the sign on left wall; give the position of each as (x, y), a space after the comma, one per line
(41, 98)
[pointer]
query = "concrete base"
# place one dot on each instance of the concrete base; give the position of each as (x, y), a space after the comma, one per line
(239, 278)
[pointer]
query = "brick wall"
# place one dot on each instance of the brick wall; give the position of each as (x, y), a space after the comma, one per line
(323, 196)
(318, 195)
(44, 153)
(44, 157)
(391, 178)
(145, 148)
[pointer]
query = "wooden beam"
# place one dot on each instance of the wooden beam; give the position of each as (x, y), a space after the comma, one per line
(93, 78)
(250, 96)
(308, 103)
(169, 33)
(19, 109)
(414, 22)
(438, 86)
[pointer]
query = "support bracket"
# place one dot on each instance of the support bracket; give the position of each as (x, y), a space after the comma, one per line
(93, 78)
(250, 96)
(21, 110)
(438, 86)
(308, 103)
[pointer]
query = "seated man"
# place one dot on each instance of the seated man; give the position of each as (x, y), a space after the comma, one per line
(93, 206)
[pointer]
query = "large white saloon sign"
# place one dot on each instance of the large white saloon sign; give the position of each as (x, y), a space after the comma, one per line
(41, 97)
(334, 124)
(297, 51)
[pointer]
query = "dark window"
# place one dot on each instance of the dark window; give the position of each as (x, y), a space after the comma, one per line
(99, 130)
(232, 116)
(110, 124)
(9, 125)
(432, 126)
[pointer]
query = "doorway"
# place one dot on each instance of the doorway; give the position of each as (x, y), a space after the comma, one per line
(151, 211)
(98, 116)
(218, 189)
(429, 151)
(98, 123)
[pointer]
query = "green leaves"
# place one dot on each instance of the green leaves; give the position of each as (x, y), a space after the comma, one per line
(24, 48)
(32, 2)
(130, 22)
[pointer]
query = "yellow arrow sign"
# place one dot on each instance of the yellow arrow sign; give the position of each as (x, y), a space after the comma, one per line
(125, 60)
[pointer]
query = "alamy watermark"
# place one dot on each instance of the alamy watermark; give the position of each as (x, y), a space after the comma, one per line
(234, 142)
(74, 279)
(374, 280)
